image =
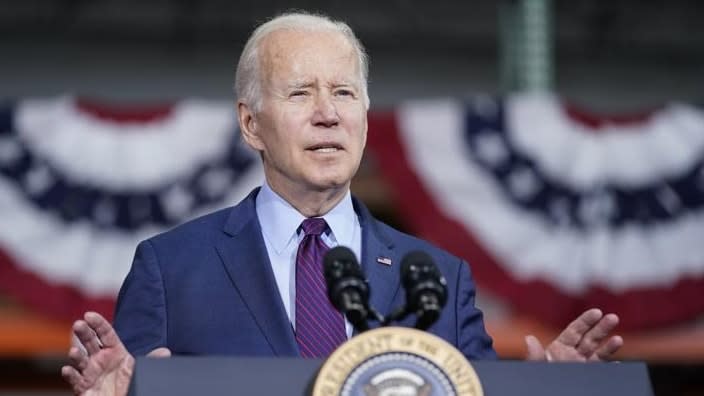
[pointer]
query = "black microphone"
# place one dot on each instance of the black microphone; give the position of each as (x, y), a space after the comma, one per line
(347, 288)
(426, 288)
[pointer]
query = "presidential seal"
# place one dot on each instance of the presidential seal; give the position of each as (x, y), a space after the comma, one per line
(397, 361)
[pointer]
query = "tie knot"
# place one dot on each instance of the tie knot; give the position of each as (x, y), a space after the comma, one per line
(314, 226)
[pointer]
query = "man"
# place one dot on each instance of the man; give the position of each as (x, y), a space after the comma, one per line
(228, 283)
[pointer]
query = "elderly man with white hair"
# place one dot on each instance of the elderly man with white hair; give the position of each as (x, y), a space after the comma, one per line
(247, 280)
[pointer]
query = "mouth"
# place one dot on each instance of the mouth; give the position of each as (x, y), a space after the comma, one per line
(325, 148)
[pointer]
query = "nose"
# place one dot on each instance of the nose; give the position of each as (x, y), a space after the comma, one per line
(326, 114)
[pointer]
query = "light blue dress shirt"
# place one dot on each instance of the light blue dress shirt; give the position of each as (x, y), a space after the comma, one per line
(280, 222)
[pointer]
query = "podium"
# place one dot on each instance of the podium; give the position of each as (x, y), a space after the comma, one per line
(289, 376)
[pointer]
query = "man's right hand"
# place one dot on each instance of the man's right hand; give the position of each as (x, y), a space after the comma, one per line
(99, 363)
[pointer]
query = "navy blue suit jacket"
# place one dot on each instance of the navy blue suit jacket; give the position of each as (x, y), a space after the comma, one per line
(207, 288)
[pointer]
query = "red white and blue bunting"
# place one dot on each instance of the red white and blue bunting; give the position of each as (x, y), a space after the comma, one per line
(554, 215)
(81, 185)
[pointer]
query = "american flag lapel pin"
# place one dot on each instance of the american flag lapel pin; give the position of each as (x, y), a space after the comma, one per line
(383, 260)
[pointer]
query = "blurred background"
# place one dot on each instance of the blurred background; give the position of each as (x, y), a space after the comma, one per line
(557, 146)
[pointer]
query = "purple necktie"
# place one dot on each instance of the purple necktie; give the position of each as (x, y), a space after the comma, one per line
(320, 328)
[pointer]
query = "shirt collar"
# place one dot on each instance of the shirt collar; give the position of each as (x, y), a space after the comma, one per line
(280, 221)
(342, 220)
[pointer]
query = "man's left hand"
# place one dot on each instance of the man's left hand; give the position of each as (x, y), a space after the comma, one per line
(586, 339)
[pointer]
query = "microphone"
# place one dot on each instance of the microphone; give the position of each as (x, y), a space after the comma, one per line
(348, 290)
(426, 288)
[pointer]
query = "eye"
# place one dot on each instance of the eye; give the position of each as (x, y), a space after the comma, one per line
(298, 92)
(344, 92)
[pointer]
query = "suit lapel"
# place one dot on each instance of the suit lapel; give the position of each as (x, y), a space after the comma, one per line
(244, 255)
(384, 280)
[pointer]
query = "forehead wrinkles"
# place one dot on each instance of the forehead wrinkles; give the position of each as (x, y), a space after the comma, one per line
(292, 53)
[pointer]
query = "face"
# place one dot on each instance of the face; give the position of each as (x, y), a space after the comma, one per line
(312, 125)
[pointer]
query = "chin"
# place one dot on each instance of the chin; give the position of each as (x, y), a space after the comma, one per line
(331, 183)
(331, 177)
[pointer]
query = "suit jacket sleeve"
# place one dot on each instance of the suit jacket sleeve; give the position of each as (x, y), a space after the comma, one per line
(140, 315)
(472, 338)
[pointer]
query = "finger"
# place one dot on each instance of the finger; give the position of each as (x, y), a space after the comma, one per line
(160, 353)
(76, 342)
(606, 351)
(74, 378)
(86, 336)
(596, 336)
(536, 352)
(77, 359)
(103, 329)
(70, 374)
(576, 330)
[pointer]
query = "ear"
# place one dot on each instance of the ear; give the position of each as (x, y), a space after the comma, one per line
(249, 126)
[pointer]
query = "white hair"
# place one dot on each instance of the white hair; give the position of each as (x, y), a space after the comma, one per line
(248, 79)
